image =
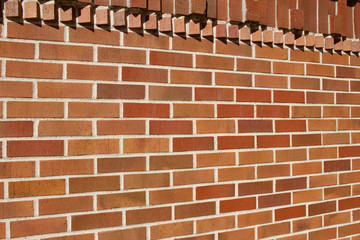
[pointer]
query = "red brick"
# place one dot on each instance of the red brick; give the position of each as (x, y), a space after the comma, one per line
(290, 212)
(306, 168)
(65, 205)
(170, 59)
(239, 204)
(93, 110)
(192, 44)
(64, 90)
(171, 230)
(329, 233)
(17, 50)
(273, 53)
(255, 218)
(289, 96)
(194, 210)
(272, 111)
(144, 75)
(65, 52)
(349, 203)
(235, 142)
(148, 215)
(336, 111)
(170, 127)
(35, 148)
(288, 68)
(215, 159)
(269, 141)
(253, 95)
(233, 79)
(115, 55)
(35, 32)
(337, 192)
(304, 56)
(347, 98)
(215, 191)
(73, 237)
(335, 166)
(320, 70)
(351, 177)
(255, 157)
(170, 93)
(232, 48)
(16, 89)
(193, 110)
(306, 112)
(244, 233)
(146, 110)
(215, 126)
(305, 83)
(16, 129)
(266, 81)
(38, 226)
(92, 72)
(34, 70)
(65, 128)
(350, 229)
(291, 184)
(239, 173)
(214, 94)
(123, 164)
(306, 224)
(290, 125)
(96, 220)
(94, 36)
(269, 171)
(337, 85)
(193, 144)
(350, 151)
(319, 97)
(37, 188)
(35, 109)
(145, 145)
(190, 77)
(253, 188)
(321, 208)
(61, 167)
(322, 153)
(323, 180)
(347, 72)
(274, 200)
(234, 111)
(251, 65)
(146, 41)
(214, 62)
(120, 127)
(94, 184)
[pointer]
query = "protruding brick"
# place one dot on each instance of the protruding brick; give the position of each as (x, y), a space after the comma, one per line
(102, 16)
(67, 14)
(135, 20)
(32, 10)
(13, 8)
(48, 12)
(165, 24)
(119, 18)
(179, 25)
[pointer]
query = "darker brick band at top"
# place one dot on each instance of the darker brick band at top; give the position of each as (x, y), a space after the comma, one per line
(340, 18)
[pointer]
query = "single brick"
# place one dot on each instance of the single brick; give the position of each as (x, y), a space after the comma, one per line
(94, 184)
(36, 188)
(93, 146)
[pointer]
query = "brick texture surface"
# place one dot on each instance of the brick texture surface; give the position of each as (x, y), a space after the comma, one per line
(135, 120)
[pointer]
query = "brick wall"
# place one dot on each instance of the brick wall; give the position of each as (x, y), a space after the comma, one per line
(133, 121)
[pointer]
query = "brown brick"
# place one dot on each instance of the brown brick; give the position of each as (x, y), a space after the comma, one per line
(233, 79)
(252, 65)
(149, 110)
(16, 129)
(214, 62)
(336, 85)
(266, 81)
(304, 83)
(190, 77)
(93, 146)
(291, 155)
(38, 226)
(193, 144)
(255, 157)
(274, 200)
(96, 220)
(194, 210)
(64, 90)
(65, 205)
(94, 36)
(306, 168)
(125, 164)
(92, 72)
(35, 148)
(304, 56)
(235, 142)
(120, 200)
(214, 94)
(135, 74)
(15, 89)
(329, 233)
(148, 215)
(252, 188)
(16, 209)
(337, 192)
(192, 44)
(36, 188)
(213, 224)
(170, 93)
(17, 50)
(323, 180)
(133, 181)
(290, 212)
(65, 128)
(230, 174)
(232, 48)
(270, 171)
(288, 68)
(307, 196)
(253, 95)
(120, 127)
(35, 109)
(234, 111)
(244, 233)
(93, 110)
(193, 177)
(272, 111)
(66, 167)
(171, 162)
(34, 70)
(346, 178)
(170, 196)
(170, 59)
(273, 53)
(320, 70)
(171, 230)
(306, 224)
(348, 230)
(116, 91)
(115, 55)
(239, 204)
(136, 233)
(291, 184)
(17, 169)
(273, 229)
(321, 208)
(65, 52)
(94, 184)
(73, 237)
(142, 145)
(245, 126)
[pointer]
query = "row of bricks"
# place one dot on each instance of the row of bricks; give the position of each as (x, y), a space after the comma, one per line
(11, 129)
(83, 35)
(58, 225)
(203, 160)
(79, 147)
(287, 15)
(23, 89)
(225, 171)
(21, 109)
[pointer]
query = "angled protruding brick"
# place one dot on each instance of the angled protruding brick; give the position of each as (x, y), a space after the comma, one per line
(151, 22)
(48, 12)
(245, 34)
(278, 37)
(347, 45)
(66, 14)
(221, 31)
(86, 15)
(207, 29)
(13, 8)
(355, 47)
(289, 38)
(310, 41)
(179, 25)
(102, 16)
(268, 36)
(256, 35)
(31, 10)
(165, 24)
(135, 21)
(233, 32)
(300, 40)
(194, 27)
(329, 43)
(338, 44)
(119, 18)
(319, 41)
